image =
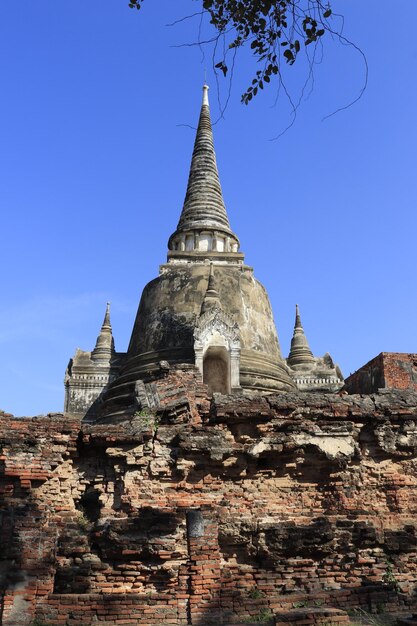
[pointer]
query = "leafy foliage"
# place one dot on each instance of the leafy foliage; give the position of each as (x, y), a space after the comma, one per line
(275, 30)
(389, 577)
(148, 420)
(256, 594)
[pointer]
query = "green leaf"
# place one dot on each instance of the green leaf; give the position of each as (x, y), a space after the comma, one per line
(289, 56)
(221, 66)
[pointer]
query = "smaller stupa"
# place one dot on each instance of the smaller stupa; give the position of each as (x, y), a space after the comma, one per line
(88, 374)
(311, 373)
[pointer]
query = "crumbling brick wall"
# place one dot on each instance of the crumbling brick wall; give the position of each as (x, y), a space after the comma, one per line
(210, 510)
(388, 370)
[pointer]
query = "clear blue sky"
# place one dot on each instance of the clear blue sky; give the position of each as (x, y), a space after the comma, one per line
(94, 158)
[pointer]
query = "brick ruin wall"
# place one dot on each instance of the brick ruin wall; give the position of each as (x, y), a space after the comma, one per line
(388, 370)
(210, 511)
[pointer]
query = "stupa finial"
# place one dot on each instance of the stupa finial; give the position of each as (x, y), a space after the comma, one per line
(205, 94)
(297, 318)
(106, 322)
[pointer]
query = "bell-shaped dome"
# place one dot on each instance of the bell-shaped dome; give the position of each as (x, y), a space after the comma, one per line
(170, 310)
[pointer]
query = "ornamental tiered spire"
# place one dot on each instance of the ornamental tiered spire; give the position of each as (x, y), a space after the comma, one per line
(300, 352)
(104, 348)
(204, 225)
(211, 297)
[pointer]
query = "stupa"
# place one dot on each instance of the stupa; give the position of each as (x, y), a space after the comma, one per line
(311, 373)
(205, 310)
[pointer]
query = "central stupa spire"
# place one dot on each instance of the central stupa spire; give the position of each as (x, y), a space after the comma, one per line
(204, 225)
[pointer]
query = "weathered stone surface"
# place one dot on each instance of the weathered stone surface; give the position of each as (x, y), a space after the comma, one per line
(168, 315)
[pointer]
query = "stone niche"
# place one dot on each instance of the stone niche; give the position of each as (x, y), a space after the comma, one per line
(217, 351)
(216, 369)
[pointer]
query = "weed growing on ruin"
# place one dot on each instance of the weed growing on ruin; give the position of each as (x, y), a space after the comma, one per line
(255, 594)
(148, 420)
(306, 603)
(83, 522)
(264, 615)
(389, 577)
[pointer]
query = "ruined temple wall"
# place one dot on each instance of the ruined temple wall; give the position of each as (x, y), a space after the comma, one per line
(388, 370)
(292, 500)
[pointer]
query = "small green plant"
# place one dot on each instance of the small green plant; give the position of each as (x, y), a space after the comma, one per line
(82, 521)
(389, 576)
(263, 616)
(148, 420)
(300, 605)
(380, 608)
(318, 602)
(256, 593)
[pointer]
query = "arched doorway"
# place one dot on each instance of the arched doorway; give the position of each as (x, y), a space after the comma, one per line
(216, 369)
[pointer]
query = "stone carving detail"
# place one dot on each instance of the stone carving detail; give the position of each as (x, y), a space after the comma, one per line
(217, 329)
(146, 396)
